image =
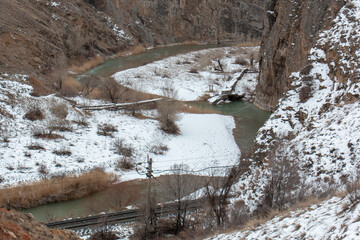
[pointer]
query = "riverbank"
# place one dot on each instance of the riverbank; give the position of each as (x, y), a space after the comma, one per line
(56, 189)
(68, 140)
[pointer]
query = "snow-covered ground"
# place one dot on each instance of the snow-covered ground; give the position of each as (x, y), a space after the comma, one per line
(317, 123)
(193, 75)
(326, 220)
(122, 231)
(205, 139)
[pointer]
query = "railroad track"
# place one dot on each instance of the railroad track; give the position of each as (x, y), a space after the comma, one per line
(125, 216)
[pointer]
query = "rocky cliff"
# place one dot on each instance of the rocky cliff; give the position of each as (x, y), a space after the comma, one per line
(290, 30)
(37, 35)
(314, 133)
(170, 21)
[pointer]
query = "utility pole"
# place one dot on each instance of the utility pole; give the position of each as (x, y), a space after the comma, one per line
(149, 209)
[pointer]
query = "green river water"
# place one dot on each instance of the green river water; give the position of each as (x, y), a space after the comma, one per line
(247, 117)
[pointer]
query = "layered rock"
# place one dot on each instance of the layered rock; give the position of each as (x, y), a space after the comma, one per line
(290, 30)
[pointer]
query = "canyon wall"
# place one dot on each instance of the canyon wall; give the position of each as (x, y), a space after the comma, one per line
(290, 30)
(170, 21)
(36, 35)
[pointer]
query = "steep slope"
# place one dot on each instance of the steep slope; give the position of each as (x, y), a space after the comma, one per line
(18, 226)
(336, 218)
(39, 37)
(169, 21)
(321, 110)
(34, 35)
(316, 126)
(290, 30)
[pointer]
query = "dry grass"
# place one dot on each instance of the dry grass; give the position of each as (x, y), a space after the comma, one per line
(138, 49)
(55, 190)
(71, 83)
(248, 44)
(93, 62)
(190, 43)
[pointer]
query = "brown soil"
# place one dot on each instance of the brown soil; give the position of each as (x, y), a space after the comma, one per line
(18, 226)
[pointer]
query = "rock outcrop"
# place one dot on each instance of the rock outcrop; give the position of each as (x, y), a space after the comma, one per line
(170, 21)
(36, 35)
(18, 226)
(290, 30)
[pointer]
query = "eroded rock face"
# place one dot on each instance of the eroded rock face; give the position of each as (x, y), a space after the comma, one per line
(35, 35)
(18, 226)
(290, 30)
(169, 21)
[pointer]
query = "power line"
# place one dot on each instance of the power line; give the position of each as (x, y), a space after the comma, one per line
(194, 171)
(209, 157)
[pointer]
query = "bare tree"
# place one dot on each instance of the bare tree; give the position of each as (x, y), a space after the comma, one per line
(112, 90)
(169, 91)
(217, 190)
(89, 83)
(59, 73)
(167, 115)
(283, 181)
(179, 185)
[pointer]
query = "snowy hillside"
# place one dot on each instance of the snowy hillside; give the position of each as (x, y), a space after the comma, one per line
(317, 124)
(336, 218)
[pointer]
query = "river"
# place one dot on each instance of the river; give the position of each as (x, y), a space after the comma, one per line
(247, 117)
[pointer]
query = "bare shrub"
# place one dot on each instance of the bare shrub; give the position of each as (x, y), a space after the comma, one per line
(27, 154)
(43, 171)
(112, 90)
(306, 70)
(35, 146)
(253, 56)
(59, 73)
(34, 113)
(193, 70)
(239, 214)
(45, 133)
(62, 152)
(60, 110)
(167, 115)
(353, 188)
(241, 61)
(179, 185)
(4, 133)
(89, 83)
(159, 149)
(122, 149)
(106, 129)
(283, 182)
(125, 164)
(217, 191)
(9, 167)
(103, 234)
(61, 126)
(82, 121)
(305, 92)
(169, 90)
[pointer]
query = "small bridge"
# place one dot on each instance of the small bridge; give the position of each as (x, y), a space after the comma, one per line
(118, 106)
